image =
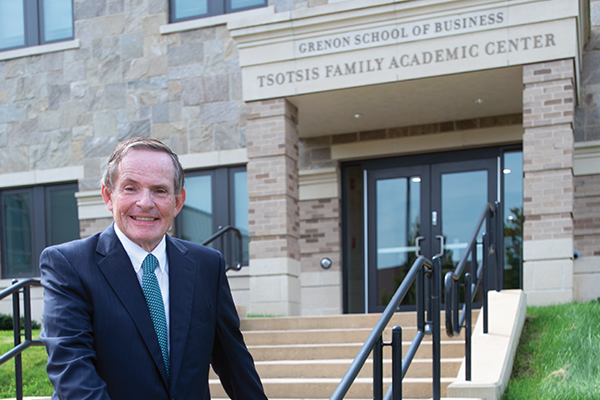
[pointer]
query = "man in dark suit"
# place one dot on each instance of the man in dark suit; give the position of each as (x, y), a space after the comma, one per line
(113, 328)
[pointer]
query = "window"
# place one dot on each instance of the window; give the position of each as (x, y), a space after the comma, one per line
(214, 199)
(31, 219)
(513, 218)
(182, 10)
(33, 22)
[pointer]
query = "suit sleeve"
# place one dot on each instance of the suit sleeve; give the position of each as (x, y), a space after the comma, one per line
(231, 360)
(67, 332)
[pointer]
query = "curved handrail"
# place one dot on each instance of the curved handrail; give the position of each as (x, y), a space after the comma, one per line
(16, 286)
(222, 231)
(375, 335)
(454, 323)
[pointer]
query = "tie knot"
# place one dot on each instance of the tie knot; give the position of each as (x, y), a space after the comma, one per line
(149, 264)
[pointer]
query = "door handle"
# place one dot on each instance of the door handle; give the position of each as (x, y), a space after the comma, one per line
(441, 238)
(417, 246)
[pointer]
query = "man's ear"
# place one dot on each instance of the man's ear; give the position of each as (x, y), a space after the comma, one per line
(179, 200)
(107, 197)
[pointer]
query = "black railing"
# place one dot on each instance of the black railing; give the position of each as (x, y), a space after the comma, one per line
(457, 316)
(15, 290)
(222, 231)
(427, 276)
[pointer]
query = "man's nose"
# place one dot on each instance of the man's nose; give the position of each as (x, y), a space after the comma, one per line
(145, 199)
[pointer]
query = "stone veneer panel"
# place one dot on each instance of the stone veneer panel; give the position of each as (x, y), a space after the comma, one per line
(126, 79)
(587, 215)
(548, 116)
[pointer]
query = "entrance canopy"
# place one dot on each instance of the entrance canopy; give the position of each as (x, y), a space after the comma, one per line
(403, 63)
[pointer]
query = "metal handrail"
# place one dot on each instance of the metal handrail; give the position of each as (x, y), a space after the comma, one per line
(457, 319)
(222, 231)
(421, 269)
(16, 351)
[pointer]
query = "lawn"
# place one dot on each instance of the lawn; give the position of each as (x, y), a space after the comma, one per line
(35, 381)
(559, 354)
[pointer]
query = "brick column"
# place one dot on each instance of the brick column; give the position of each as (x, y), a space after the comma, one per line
(548, 109)
(272, 142)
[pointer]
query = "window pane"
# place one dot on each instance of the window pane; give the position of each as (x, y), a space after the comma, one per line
(64, 222)
(513, 219)
(12, 25)
(196, 215)
(242, 201)
(18, 250)
(238, 4)
(190, 8)
(460, 211)
(58, 20)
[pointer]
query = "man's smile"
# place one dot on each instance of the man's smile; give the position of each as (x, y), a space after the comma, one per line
(144, 219)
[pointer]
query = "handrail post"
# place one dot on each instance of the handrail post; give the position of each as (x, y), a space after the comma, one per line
(397, 363)
(420, 299)
(498, 247)
(27, 311)
(485, 286)
(378, 369)
(17, 341)
(468, 321)
(436, 299)
(455, 312)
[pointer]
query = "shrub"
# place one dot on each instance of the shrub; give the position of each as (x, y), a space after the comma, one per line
(6, 323)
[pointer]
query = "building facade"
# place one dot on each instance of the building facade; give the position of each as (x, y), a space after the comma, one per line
(342, 137)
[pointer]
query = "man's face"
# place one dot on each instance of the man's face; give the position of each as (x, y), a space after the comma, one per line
(143, 200)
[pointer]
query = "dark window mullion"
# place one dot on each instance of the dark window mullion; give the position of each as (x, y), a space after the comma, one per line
(32, 21)
(221, 208)
(39, 224)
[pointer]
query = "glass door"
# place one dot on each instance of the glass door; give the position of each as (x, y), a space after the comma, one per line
(460, 192)
(397, 199)
(396, 209)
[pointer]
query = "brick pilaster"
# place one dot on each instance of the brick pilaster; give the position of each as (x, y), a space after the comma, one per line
(548, 112)
(272, 143)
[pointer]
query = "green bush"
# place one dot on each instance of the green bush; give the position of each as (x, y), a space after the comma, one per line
(6, 323)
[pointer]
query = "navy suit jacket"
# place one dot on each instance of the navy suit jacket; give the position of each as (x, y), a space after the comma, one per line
(99, 335)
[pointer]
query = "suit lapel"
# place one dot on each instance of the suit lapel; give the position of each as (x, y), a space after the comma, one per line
(118, 271)
(182, 275)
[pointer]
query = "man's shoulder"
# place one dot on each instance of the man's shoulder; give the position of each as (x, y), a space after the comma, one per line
(88, 244)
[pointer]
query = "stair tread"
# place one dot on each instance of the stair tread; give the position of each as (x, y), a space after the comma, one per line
(310, 345)
(337, 380)
(346, 361)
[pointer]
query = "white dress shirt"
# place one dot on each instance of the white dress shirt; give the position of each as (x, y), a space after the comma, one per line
(137, 255)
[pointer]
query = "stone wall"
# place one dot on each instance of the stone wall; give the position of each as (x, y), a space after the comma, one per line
(587, 185)
(126, 79)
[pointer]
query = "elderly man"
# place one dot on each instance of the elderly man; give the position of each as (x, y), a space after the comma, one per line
(131, 313)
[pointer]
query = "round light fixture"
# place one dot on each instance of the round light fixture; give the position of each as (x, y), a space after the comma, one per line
(478, 101)
(358, 115)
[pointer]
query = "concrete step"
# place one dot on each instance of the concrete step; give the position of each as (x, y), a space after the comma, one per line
(310, 336)
(311, 388)
(337, 368)
(450, 349)
(344, 321)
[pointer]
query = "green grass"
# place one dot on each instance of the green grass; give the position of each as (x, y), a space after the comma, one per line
(559, 354)
(35, 380)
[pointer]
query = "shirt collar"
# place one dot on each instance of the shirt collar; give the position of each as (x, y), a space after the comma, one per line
(137, 254)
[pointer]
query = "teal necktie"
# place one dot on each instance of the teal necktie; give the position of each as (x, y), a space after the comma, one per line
(155, 305)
